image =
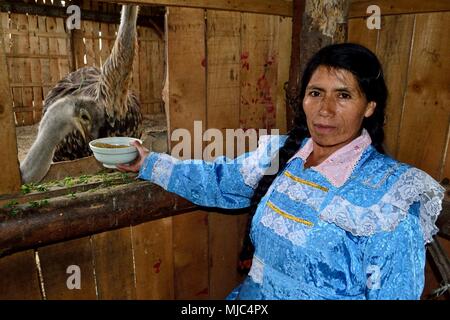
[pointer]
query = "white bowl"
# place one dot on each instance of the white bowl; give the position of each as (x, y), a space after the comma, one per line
(112, 156)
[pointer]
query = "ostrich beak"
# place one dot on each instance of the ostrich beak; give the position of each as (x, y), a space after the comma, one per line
(83, 130)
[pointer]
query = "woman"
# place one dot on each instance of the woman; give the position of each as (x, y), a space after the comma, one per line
(340, 219)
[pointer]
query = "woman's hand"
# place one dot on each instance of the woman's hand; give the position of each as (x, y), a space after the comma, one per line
(136, 164)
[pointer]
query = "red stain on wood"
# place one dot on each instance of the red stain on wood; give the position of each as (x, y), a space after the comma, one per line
(157, 266)
(203, 63)
(244, 62)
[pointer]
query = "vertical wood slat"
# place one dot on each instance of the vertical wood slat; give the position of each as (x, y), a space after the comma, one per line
(359, 33)
(284, 51)
(63, 44)
(422, 139)
(394, 47)
(114, 269)
(153, 255)
(25, 70)
(19, 280)
(14, 66)
(44, 50)
(144, 76)
(259, 63)
(186, 103)
(223, 92)
(55, 261)
(9, 175)
(190, 255)
(35, 65)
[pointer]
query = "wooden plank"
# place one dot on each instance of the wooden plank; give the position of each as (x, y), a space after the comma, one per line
(187, 74)
(25, 69)
(19, 280)
(358, 8)
(144, 74)
(259, 64)
(44, 50)
(35, 65)
(190, 254)
(89, 43)
(359, 33)
(280, 7)
(9, 176)
(223, 86)
(284, 52)
(224, 249)
(53, 49)
(63, 43)
(223, 91)
(114, 269)
(15, 65)
(187, 103)
(153, 256)
(423, 131)
(158, 53)
(96, 42)
(56, 262)
(5, 31)
(394, 48)
(106, 46)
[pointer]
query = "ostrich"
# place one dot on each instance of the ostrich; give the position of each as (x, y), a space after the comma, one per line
(64, 116)
(108, 86)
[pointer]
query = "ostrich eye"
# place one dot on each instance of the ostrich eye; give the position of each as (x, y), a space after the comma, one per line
(85, 117)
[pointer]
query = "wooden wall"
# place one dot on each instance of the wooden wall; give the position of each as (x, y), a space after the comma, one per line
(413, 46)
(40, 51)
(228, 71)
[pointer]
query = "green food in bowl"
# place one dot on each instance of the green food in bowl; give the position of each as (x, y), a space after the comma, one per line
(111, 151)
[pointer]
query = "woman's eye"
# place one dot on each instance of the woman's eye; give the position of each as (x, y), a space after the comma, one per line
(344, 95)
(314, 93)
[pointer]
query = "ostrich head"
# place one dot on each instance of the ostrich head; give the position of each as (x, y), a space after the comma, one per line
(87, 117)
(68, 114)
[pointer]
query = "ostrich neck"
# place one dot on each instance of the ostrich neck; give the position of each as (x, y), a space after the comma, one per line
(39, 158)
(116, 71)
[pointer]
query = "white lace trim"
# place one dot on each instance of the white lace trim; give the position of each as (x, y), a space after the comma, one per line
(293, 231)
(301, 193)
(413, 186)
(259, 162)
(162, 169)
(257, 270)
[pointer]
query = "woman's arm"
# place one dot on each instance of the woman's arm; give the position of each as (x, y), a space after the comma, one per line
(222, 183)
(394, 261)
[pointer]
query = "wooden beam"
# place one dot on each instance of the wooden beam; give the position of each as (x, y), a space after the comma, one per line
(64, 218)
(279, 7)
(86, 15)
(358, 8)
(9, 175)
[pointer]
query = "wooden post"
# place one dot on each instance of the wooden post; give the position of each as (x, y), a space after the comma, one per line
(323, 22)
(9, 175)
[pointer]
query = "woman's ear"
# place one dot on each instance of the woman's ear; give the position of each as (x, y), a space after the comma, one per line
(370, 109)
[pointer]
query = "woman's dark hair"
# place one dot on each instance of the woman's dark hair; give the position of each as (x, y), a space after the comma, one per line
(364, 65)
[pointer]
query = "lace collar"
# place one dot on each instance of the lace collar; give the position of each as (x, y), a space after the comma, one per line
(338, 167)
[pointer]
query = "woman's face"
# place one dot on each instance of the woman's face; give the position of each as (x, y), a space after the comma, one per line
(335, 107)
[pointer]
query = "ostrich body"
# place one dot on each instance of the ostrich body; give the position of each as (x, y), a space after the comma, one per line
(109, 87)
(63, 117)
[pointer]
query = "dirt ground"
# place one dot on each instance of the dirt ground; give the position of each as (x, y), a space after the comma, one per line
(154, 136)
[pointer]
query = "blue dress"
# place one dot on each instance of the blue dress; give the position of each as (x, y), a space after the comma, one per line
(363, 240)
